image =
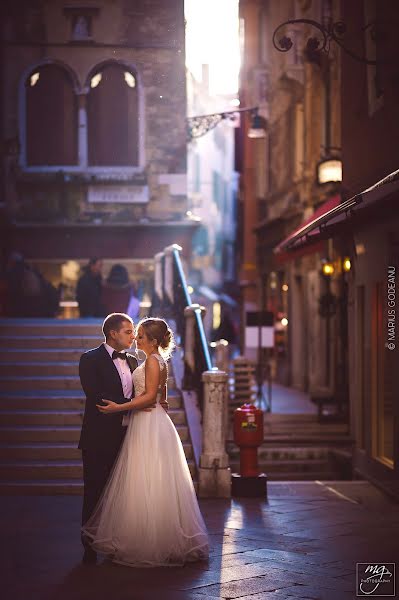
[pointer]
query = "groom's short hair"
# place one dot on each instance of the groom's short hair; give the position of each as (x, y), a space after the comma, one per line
(113, 322)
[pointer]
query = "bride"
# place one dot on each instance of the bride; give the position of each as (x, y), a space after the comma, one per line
(148, 514)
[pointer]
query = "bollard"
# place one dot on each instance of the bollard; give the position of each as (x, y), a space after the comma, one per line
(248, 435)
(214, 471)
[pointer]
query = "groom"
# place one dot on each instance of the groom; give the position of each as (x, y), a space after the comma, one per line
(105, 372)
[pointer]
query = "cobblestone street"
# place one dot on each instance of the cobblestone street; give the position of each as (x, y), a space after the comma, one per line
(304, 543)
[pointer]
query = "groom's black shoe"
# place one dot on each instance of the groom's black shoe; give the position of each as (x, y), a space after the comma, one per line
(89, 557)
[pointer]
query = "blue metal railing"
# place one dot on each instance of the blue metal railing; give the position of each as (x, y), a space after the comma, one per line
(175, 310)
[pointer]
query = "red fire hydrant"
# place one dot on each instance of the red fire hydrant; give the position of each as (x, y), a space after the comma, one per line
(248, 435)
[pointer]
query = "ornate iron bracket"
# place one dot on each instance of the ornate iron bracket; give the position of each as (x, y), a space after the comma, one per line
(201, 124)
(334, 32)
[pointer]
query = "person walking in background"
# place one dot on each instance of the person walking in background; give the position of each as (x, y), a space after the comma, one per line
(118, 293)
(29, 293)
(88, 291)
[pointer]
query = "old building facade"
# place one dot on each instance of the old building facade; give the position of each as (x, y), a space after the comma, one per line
(212, 196)
(341, 337)
(370, 132)
(93, 114)
(298, 94)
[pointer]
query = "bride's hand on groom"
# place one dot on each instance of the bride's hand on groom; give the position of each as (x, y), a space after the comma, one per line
(111, 407)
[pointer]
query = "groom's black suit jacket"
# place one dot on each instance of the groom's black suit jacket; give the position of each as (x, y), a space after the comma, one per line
(100, 379)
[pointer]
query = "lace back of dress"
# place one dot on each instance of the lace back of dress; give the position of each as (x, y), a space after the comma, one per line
(162, 367)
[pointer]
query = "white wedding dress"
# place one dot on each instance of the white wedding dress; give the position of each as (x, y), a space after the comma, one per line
(148, 514)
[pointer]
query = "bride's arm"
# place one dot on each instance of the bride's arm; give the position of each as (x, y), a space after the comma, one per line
(152, 377)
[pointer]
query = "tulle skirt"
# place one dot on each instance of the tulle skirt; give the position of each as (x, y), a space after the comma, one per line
(148, 514)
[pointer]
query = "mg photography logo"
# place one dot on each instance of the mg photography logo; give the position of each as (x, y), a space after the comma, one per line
(375, 579)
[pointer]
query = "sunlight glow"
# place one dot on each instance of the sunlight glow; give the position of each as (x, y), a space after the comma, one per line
(212, 37)
(34, 79)
(95, 80)
(130, 80)
(216, 315)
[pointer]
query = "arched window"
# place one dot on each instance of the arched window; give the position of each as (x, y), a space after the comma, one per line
(112, 117)
(51, 118)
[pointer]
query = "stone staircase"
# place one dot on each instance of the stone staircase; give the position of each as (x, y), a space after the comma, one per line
(297, 447)
(41, 405)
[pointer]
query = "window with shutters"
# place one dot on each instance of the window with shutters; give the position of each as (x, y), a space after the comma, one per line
(51, 116)
(112, 117)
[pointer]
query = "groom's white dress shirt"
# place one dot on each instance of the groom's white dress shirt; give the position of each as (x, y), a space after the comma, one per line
(126, 378)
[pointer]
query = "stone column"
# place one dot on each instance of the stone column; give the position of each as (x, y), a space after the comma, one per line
(221, 354)
(214, 471)
(83, 139)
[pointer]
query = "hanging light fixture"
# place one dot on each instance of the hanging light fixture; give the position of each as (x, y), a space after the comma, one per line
(257, 129)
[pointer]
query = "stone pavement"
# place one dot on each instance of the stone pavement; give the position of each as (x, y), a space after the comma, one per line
(303, 543)
(288, 400)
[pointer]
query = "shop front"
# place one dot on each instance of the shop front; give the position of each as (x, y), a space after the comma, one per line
(364, 232)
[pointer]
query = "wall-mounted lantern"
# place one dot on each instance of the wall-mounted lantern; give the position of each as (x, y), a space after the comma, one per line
(327, 268)
(346, 264)
(329, 170)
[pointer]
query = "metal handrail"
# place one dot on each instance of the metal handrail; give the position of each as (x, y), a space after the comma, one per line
(203, 341)
(175, 310)
(203, 362)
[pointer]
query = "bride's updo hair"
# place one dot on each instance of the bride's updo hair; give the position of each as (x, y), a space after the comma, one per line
(158, 330)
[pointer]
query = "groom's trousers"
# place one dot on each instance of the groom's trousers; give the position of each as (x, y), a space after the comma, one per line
(97, 467)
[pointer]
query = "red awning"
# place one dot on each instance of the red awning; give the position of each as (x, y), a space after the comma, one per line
(281, 250)
(375, 200)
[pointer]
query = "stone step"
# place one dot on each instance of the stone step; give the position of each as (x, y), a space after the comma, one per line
(58, 327)
(49, 382)
(43, 400)
(71, 487)
(295, 418)
(47, 452)
(59, 400)
(289, 466)
(63, 469)
(283, 453)
(58, 382)
(49, 342)
(35, 369)
(57, 434)
(309, 438)
(311, 429)
(64, 417)
(308, 441)
(40, 355)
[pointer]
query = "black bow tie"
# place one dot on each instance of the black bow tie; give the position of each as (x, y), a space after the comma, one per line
(121, 355)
